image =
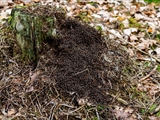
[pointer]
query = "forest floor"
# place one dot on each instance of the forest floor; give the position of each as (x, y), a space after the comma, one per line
(105, 65)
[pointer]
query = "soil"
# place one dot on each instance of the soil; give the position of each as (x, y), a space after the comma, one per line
(78, 62)
(79, 67)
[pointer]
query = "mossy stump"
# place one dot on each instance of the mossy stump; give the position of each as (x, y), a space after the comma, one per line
(32, 25)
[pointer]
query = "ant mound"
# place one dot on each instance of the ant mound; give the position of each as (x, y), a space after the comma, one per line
(82, 62)
(77, 60)
(76, 63)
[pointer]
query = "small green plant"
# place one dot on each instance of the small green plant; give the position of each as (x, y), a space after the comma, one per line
(133, 23)
(158, 114)
(158, 68)
(95, 118)
(121, 26)
(152, 108)
(100, 107)
(83, 15)
(110, 9)
(92, 3)
(99, 28)
(158, 37)
(151, 1)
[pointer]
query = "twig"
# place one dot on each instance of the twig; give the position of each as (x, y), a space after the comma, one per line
(51, 113)
(80, 72)
(70, 112)
(120, 99)
(147, 76)
(66, 105)
(97, 114)
(158, 60)
(75, 110)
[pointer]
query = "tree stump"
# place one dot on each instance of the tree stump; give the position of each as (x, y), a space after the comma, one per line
(32, 25)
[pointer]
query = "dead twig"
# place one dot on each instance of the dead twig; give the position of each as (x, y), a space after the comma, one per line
(71, 112)
(97, 114)
(147, 76)
(80, 72)
(119, 99)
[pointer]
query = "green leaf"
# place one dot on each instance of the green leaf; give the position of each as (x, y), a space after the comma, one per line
(99, 28)
(158, 68)
(92, 3)
(158, 36)
(158, 114)
(100, 107)
(152, 108)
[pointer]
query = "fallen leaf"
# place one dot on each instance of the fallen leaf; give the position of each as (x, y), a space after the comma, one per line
(30, 89)
(133, 10)
(150, 30)
(3, 3)
(11, 112)
(157, 50)
(119, 18)
(138, 16)
(25, 1)
(125, 23)
(158, 15)
(153, 118)
(145, 44)
(120, 113)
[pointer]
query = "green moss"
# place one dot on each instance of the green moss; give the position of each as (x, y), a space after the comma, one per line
(121, 26)
(133, 23)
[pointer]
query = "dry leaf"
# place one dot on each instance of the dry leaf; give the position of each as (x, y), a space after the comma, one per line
(133, 10)
(154, 118)
(138, 16)
(158, 15)
(130, 51)
(37, 0)
(145, 44)
(3, 3)
(104, 14)
(157, 50)
(11, 112)
(120, 113)
(150, 30)
(30, 89)
(125, 23)
(133, 38)
(25, 1)
(33, 76)
(82, 101)
(119, 18)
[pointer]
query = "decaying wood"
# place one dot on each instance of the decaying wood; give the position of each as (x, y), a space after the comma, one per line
(31, 29)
